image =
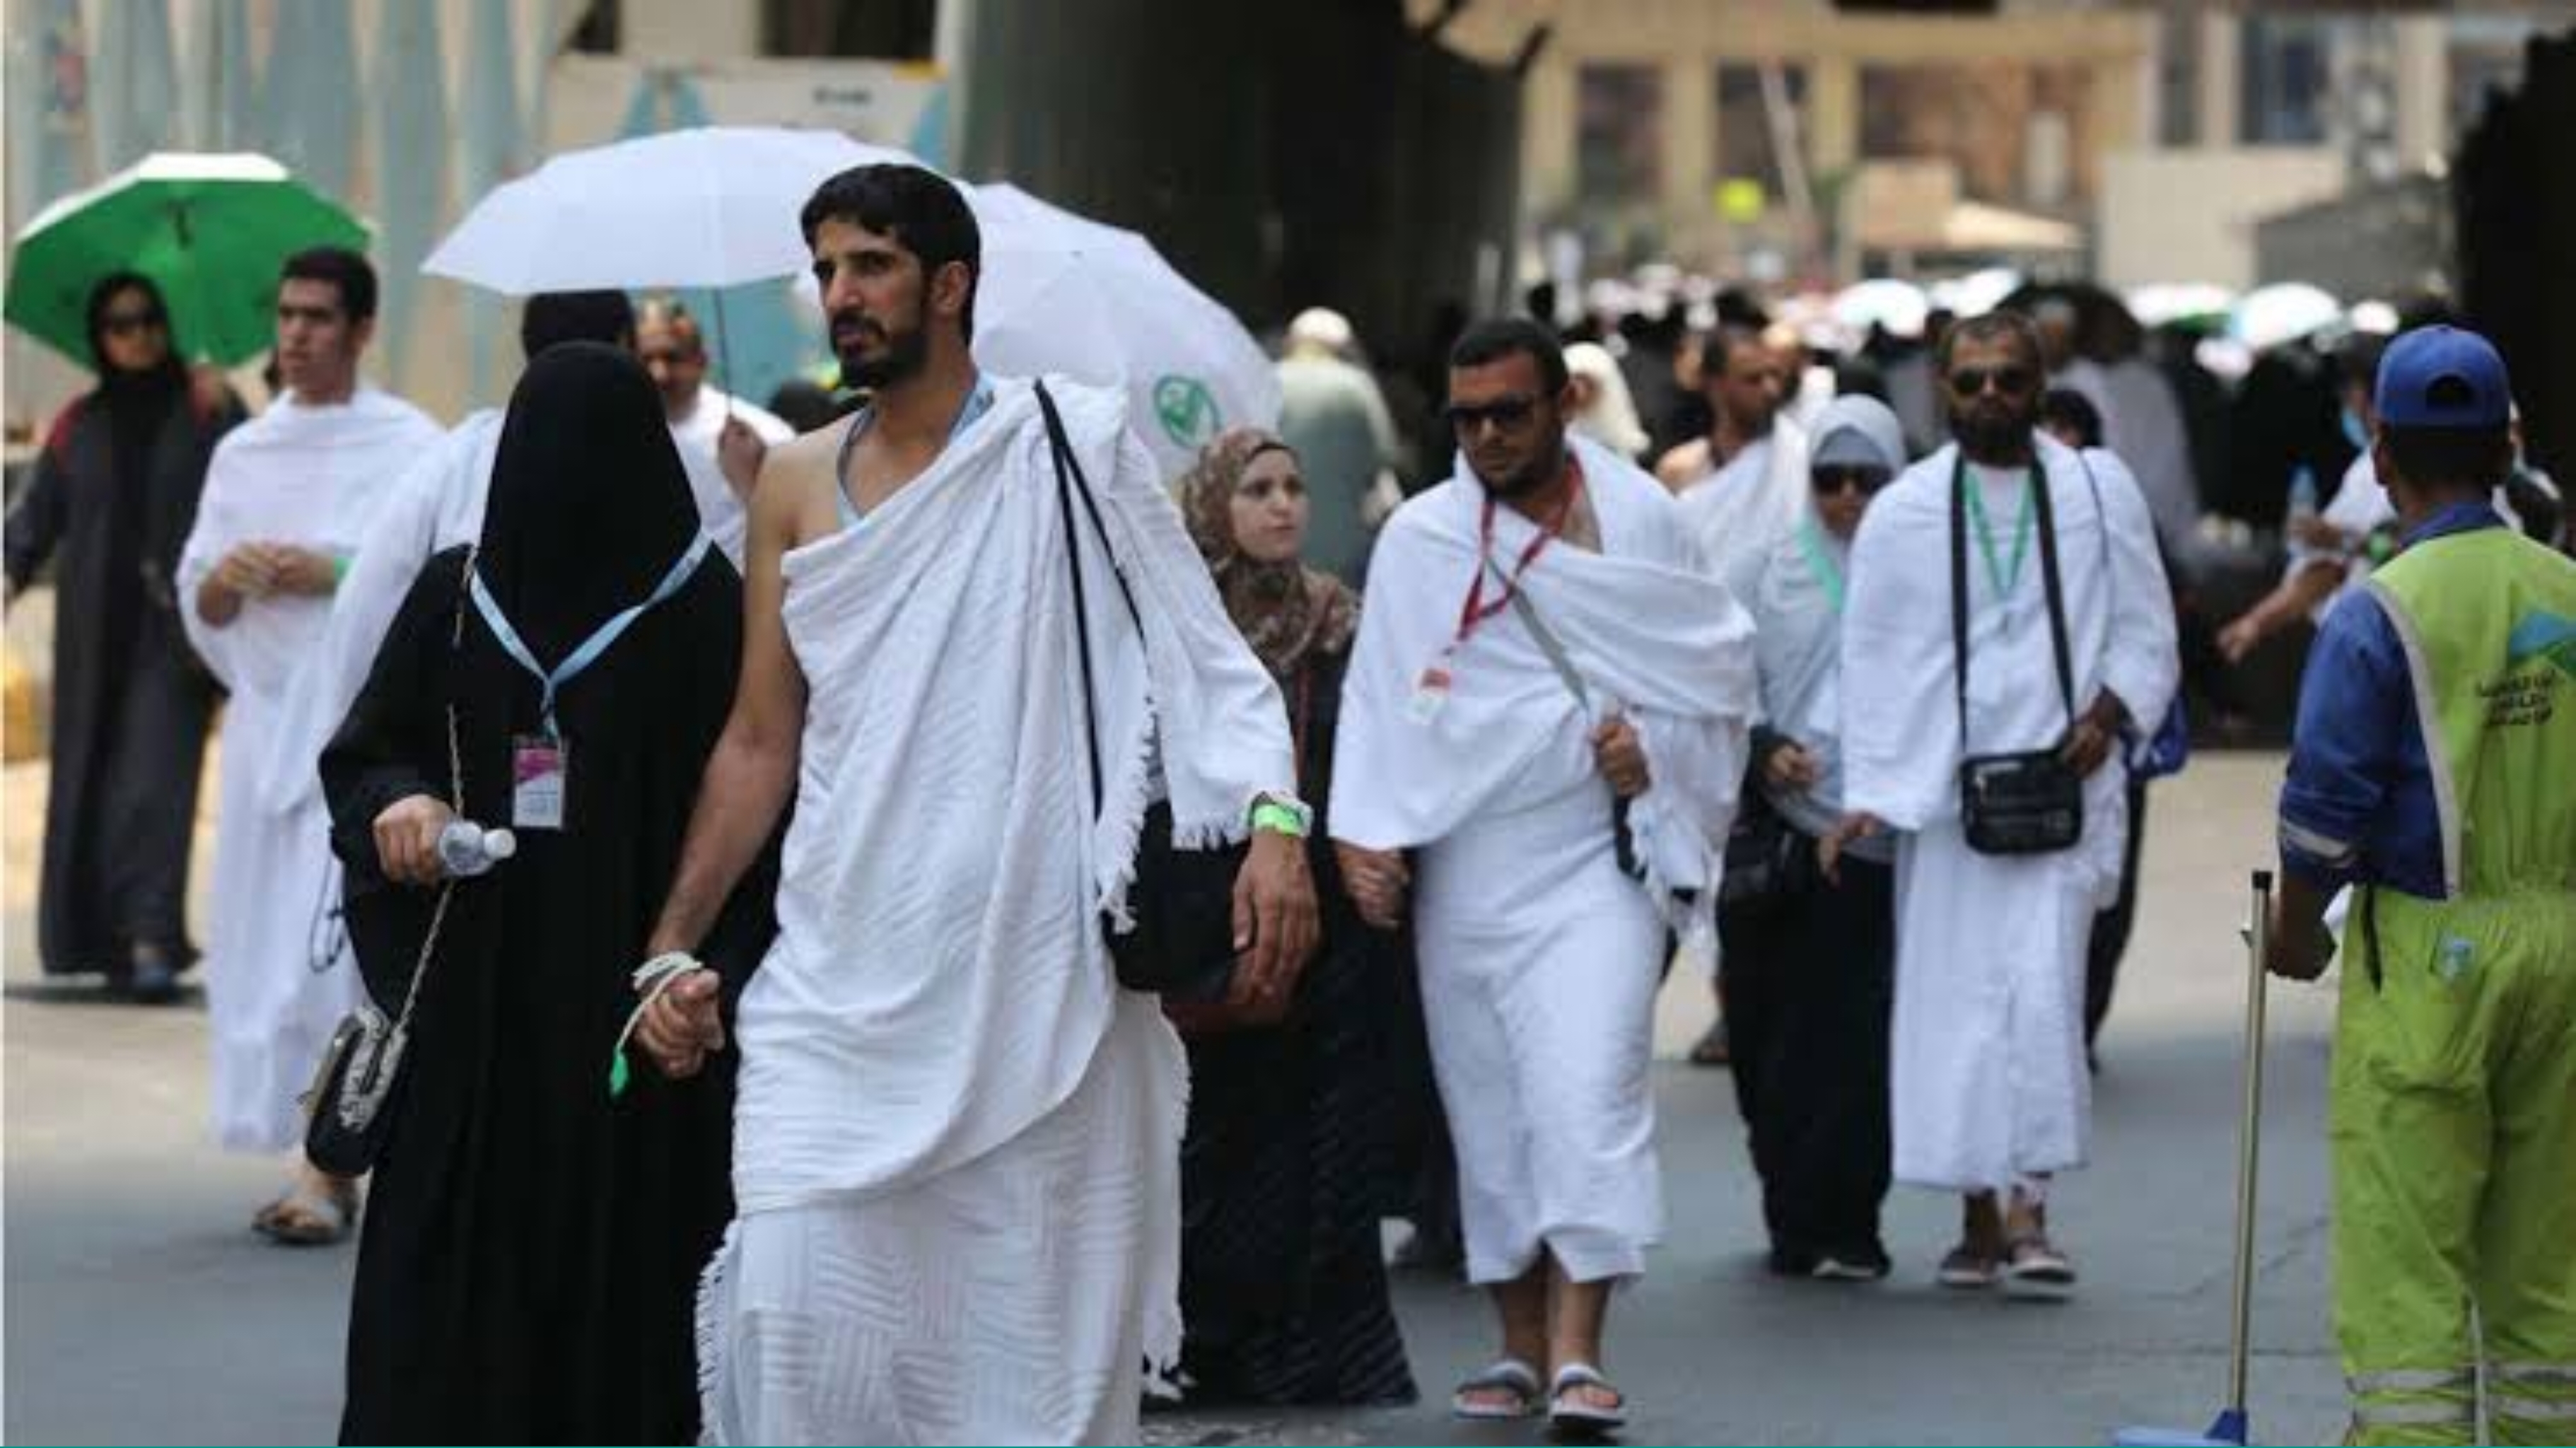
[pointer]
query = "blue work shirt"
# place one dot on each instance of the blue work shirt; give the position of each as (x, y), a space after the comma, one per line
(2358, 806)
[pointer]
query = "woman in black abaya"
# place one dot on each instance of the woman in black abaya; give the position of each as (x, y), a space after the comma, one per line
(533, 1244)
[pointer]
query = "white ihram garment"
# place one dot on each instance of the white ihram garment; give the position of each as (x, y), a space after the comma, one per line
(1539, 956)
(956, 1139)
(1989, 1083)
(279, 974)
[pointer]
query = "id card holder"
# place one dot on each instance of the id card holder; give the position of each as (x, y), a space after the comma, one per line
(1430, 694)
(540, 775)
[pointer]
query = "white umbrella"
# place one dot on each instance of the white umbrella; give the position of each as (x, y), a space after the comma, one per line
(712, 206)
(2285, 312)
(1885, 302)
(1063, 293)
(2158, 303)
(1977, 293)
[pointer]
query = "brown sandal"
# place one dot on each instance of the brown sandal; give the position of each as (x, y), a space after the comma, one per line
(302, 1219)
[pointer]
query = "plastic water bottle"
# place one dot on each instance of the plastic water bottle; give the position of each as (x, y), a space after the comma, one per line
(466, 849)
(2303, 495)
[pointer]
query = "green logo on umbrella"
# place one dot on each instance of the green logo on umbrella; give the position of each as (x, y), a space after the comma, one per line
(1188, 411)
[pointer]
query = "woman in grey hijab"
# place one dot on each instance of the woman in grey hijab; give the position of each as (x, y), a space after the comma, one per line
(1810, 957)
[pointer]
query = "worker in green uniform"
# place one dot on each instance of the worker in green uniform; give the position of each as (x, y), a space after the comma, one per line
(2434, 772)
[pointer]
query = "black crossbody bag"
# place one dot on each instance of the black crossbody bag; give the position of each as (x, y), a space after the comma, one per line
(2028, 803)
(1181, 946)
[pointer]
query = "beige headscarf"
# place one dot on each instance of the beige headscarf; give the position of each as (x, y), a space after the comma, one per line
(1286, 611)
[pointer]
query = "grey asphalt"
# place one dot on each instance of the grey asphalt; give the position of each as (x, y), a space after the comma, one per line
(140, 1309)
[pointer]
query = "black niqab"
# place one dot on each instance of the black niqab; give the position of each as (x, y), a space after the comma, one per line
(589, 505)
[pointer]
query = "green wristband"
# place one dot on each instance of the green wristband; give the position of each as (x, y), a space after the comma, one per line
(1278, 819)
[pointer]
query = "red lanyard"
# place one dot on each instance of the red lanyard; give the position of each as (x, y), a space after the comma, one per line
(1476, 610)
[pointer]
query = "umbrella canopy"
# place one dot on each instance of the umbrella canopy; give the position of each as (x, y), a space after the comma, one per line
(711, 206)
(2160, 303)
(210, 230)
(1898, 307)
(1063, 293)
(2270, 316)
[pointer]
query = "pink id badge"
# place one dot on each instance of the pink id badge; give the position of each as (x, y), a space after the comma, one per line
(1430, 694)
(540, 773)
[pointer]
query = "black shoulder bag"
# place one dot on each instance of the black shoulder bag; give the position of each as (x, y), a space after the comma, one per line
(2030, 803)
(349, 1109)
(1181, 945)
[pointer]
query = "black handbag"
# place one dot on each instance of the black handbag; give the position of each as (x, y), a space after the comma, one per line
(1181, 942)
(350, 1107)
(1769, 861)
(2028, 803)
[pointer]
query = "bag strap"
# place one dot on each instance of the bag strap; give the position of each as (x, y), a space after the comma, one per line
(1548, 643)
(2047, 524)
(455, 803)
(2056, 591)
(1060, 455)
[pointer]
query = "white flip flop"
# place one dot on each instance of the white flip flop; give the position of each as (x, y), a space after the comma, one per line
(1568, 1416)
(1509, 1373)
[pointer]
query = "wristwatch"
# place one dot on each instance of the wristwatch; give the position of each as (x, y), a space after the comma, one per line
(1282, 816)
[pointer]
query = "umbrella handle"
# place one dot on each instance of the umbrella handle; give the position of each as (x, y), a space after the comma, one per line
(724, 353)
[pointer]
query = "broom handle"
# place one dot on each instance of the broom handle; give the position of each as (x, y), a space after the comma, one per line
(2249, 1144)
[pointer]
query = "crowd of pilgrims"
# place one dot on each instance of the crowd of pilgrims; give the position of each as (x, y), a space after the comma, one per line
(1312, 1118)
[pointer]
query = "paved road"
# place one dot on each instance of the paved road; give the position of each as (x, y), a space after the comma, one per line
(139, 1308)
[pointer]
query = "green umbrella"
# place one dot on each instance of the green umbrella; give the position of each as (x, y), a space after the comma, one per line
(210, 230)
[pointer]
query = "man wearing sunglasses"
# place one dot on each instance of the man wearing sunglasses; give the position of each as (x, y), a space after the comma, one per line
(2007, 623)
(1542, 731)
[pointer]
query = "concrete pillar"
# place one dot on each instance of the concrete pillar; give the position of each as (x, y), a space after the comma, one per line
(1833, 113)
(2221, 57)
(1690, 145)
(2422, 77)
(1547, 134)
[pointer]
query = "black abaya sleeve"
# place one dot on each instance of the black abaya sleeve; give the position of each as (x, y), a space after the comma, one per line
(36, 519)
(393, 745)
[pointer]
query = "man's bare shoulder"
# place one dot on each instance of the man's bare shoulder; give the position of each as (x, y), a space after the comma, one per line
(1684, 464)
(797, 480)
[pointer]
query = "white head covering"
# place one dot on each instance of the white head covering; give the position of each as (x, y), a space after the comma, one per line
(1322, 329)
(1857, 431)
(1611, 420)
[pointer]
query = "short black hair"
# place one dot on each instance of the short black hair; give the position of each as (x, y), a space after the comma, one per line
(1718, 347)
(922, 210)
(2067, 408)
(2450, 459)
(1986, 327)
(553, 318)
(1496, 338)
(344, 269)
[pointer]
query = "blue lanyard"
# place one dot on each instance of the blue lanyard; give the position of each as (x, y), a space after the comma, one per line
(979, 400)
(1820, 564)
(593, 647)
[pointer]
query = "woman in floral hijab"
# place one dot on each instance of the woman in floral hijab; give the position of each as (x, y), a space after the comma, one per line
(1286, 1165)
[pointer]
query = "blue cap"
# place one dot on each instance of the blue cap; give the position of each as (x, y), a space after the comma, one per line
(2443, 377)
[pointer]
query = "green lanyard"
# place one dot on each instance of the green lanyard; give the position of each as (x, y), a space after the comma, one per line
(2002, 578)
(1821, 564)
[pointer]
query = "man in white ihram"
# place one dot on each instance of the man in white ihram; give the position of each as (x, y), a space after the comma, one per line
(1990, 1092)
(956, 1144)
(1547, 690)
(721, 439)
(288, 496)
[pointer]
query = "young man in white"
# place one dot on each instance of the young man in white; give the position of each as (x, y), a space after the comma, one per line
(1547, 703)
(288, 496)
(956, 1144)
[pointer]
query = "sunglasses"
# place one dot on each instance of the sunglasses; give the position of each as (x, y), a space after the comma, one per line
(2010, 381)
(1507, 413)
(118, 324)
(1831, 481)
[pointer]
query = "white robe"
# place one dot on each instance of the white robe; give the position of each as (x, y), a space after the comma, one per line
(1797, 638)
(1989, 1084)
(2142, 423)
(1539, 956)
(279, 974)
(956, 1139)
(1740, 512)
(436, 504)
(695, 433)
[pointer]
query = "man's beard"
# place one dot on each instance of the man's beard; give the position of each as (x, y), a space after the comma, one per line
(906, 353)
(2003, 437)
(1524, 481)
